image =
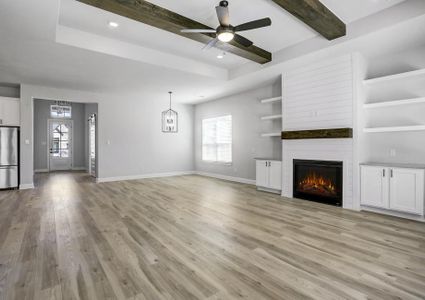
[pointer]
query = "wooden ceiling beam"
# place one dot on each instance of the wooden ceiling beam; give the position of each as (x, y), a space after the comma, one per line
(316, 15)
(156, 16)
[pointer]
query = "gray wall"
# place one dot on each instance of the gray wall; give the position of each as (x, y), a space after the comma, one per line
(41, 117)
(246, 111)
(131, 124)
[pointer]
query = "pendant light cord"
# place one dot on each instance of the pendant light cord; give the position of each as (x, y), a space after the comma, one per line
(170, 98)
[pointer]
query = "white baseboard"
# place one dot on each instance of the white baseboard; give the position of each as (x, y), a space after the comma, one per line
(144, 176)
(28, 186)
(273, 191)
(79, 169)
(393, 213)
(47, 170)
(225, 177)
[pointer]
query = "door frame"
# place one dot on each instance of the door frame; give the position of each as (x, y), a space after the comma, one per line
(95, 146)
(48, 141)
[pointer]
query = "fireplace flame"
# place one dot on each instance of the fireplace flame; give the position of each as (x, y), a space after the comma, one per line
(318, 184)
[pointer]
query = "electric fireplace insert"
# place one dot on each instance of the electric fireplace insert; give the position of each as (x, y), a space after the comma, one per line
(319, 181)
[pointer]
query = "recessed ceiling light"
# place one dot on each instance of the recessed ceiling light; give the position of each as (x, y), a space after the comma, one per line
(221, 55)
(113, 24)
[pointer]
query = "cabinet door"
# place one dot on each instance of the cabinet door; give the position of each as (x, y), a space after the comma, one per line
(374, 186)
(262, 171)
(10, 111)
(407, 190)
(275, 175)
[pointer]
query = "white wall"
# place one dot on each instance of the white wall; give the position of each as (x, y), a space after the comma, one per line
(41, 142)
(246, 111)
(132, 126)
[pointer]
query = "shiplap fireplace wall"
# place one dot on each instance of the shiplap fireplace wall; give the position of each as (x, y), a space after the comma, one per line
(320, 96)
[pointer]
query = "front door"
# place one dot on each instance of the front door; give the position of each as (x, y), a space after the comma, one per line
(60, 145)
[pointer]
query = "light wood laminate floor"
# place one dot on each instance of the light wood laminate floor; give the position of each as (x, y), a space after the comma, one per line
(193, 237)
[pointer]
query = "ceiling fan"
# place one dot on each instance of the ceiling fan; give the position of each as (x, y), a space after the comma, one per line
(226, 32)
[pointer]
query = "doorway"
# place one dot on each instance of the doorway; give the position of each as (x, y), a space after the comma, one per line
(65, 136)
(60, 145)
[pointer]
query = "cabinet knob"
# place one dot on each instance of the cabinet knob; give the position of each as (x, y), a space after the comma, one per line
(383, 172)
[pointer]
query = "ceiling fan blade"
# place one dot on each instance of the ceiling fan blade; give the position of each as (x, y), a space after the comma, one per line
(242, 40)
(198, 30)
(223, 15)
(211, 44)
(254, 24)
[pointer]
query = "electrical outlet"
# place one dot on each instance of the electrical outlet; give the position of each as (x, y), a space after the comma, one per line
(393, 153)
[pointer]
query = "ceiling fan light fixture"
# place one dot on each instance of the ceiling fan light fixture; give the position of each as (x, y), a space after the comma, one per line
(226, 36)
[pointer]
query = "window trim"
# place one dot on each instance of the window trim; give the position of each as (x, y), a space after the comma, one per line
(213, 162)
(61, 118)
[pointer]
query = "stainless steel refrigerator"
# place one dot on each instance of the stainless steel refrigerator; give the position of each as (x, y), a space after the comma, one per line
(9, 157)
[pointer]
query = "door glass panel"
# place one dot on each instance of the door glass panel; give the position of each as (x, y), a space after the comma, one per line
(60, 143)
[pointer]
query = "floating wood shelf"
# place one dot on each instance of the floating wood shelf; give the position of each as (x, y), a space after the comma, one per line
(272, 117)
(271, 100)
(395, 103)
(332, 133)
(401, 76)
(273, 134)
(394, 129)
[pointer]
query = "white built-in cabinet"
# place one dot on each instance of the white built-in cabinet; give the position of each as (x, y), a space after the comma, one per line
(269, 174)
(399, 189)
(9, 111)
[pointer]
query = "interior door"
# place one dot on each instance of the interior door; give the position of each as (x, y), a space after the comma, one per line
(262, 173)
(92, 145)
(374, 186)
(406, 190)
(60, 143)
(275, 175)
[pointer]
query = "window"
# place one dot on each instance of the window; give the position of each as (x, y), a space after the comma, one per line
(60, 143)
(60, 111)
(217, 139)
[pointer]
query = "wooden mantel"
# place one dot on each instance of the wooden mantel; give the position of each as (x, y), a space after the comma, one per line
(331, 133)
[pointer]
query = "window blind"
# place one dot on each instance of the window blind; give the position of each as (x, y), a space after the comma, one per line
(217, 139)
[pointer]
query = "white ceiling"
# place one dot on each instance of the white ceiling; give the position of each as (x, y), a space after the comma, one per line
(30, 52)
(284, 32)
